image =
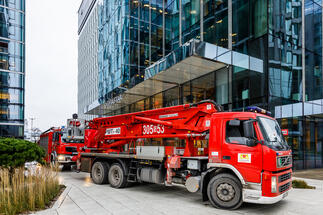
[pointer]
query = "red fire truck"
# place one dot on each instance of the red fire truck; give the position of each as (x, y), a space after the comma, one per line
(230, 157)
(61, 144)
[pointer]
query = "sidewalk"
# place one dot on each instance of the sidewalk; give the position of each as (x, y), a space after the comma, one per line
(310, 173)
(318, 184)
(81, 196)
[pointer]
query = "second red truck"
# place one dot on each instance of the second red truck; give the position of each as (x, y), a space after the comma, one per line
(61, 144)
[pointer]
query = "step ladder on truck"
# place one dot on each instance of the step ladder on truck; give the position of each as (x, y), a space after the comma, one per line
(230, 157)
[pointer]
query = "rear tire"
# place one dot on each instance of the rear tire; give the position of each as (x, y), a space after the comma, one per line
(225, 191)
(99, 172)
(117, 177)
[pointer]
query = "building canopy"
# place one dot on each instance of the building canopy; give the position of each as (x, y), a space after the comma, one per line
(190, 61)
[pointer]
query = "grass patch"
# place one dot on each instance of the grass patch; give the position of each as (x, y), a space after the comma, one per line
(301, 184)
(27, 190)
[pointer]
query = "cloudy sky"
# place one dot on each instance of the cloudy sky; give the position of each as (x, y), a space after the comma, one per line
(51, 61)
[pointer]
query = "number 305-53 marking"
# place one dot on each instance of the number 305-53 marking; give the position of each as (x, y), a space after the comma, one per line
(153, 129)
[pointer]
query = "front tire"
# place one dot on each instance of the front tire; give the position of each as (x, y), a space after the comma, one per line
(117, 177)
(99, 172)
(225, 191)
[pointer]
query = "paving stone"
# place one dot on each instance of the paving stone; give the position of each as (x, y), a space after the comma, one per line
(85, 197)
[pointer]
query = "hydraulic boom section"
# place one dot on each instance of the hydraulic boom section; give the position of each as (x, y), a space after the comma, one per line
(188, 122)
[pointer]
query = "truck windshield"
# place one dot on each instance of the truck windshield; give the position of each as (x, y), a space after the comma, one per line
(71, 139)
(273, 136)
(72, 135)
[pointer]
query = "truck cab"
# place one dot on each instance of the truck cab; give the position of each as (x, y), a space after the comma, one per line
(68, 141)
(253, 147)
(61, 144)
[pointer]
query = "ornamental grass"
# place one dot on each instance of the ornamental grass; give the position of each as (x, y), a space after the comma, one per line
(28, 190)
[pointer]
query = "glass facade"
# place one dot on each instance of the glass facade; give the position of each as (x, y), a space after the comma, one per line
(215, 22)
(138, 38)
(12, 67)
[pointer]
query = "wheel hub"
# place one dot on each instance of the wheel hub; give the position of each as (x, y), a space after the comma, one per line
(225, 192)
(116, 175)
(98, 172)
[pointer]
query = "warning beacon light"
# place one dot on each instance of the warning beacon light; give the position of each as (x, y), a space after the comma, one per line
(258, 110)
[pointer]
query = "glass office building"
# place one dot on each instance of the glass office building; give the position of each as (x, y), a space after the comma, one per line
(12, 67)
(87, 77)
(155, 53)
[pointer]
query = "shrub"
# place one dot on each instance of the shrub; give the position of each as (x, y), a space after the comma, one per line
(301, 184)
(16, 152)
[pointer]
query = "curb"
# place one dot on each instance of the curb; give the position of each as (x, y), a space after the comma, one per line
(61, 199)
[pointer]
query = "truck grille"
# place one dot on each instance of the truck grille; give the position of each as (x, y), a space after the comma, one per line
(284, 161)
(284, 177)
(284, 187)
(70, 149)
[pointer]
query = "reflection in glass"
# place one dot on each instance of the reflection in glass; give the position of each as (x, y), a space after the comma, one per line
(216, 22)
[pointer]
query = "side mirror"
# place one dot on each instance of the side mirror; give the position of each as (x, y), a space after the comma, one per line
(251, 142)
(248, 129)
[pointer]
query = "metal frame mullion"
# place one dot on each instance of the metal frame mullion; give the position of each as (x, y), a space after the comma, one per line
(149, 32)
(180, 23)
(230, 24)
(303, 54)
(164, 28)
(201, 19)
(230, 69)
(322, 45)
(303, 82)
(138, 66)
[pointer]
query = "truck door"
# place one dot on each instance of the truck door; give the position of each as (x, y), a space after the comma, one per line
(238, 151)
(55, 142)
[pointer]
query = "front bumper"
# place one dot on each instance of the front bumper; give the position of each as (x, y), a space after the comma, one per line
(262, 194)
(255, 196)
(65, 159)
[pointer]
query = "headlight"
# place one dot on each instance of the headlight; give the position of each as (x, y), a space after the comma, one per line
(60, 158)
(274, 184)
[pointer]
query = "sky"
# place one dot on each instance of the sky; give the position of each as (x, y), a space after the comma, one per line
(51, 61)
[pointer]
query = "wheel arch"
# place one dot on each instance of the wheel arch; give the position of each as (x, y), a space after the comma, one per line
(123, 163)
(214, 170)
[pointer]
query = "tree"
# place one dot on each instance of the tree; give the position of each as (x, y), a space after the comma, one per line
(16, 152)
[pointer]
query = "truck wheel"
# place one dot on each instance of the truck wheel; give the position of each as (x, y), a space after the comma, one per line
(99, 172)
(117, 178)
(225, 191)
